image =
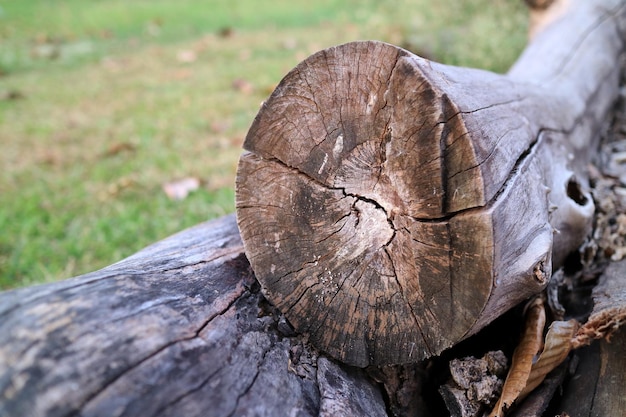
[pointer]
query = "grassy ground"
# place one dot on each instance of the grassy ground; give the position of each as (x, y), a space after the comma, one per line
(101, 102)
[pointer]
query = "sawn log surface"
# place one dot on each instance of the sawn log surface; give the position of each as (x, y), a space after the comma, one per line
(392, 206)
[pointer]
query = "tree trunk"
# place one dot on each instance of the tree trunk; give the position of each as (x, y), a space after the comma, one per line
(179, 329)
(391, 206)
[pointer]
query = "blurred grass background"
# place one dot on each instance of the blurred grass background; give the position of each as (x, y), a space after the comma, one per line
(104, 101)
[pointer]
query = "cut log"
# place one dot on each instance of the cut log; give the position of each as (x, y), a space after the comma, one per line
(391, 206)
(179, 329)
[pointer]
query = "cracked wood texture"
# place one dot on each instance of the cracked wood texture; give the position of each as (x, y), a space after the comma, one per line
(596, 387)
(179, 329)
(391, 206)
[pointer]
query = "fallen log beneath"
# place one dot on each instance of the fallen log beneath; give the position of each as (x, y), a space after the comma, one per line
(391, 206)
(179, 329)
(596, 387)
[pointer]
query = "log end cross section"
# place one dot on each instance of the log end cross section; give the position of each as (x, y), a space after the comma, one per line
(392, 206)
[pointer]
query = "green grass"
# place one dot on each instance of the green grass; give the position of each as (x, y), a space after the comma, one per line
(99, 107)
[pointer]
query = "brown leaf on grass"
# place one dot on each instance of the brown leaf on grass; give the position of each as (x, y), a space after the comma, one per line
(118, 148)
(11, 95)
(220, 126)
(522, 361)
(117, 187)
(226, 32)
(187, 56)
(557, 346)
(52, 157)
(609, 311)
(180, 189)
(243, 86)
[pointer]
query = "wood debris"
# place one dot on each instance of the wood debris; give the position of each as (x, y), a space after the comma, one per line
(475, 384)
(556, 348)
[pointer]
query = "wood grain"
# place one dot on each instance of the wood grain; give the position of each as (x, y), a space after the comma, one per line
(596, 388)
(392, 206)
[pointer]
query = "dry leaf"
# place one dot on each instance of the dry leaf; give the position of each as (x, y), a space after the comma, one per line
(225, 32)
(557, 346)
(179, 190)
(11, 95)
(522, 361)
(118, 148)
(220, 127)
(116, 188)
(186, 56)
(243, 86)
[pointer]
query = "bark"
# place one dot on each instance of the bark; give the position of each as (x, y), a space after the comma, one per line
(609, 310)
(596, 387)
(179, 329)
(391, 206)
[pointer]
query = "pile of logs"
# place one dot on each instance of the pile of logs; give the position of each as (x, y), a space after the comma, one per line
(390, 211)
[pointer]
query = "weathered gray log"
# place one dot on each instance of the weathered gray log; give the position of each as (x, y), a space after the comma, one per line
(391, 206)
(179, 329)
(596, 387)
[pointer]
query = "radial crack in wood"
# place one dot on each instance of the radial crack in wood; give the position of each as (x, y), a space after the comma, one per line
(348, 229)
(391, 206)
